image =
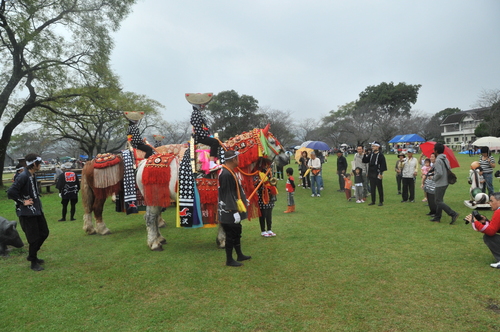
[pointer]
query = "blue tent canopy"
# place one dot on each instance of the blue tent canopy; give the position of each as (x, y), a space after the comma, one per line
(407, 139)
(395, 139)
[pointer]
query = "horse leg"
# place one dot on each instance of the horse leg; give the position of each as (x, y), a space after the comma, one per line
(161, 222)
(154, 236)
(99, 224)
(221, 237)
(88, 203)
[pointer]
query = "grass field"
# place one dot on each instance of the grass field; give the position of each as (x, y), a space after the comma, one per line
(333, 266)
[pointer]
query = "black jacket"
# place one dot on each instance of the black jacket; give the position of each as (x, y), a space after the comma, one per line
(25, 187)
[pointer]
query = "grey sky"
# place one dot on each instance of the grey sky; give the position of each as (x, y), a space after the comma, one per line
(309, 57)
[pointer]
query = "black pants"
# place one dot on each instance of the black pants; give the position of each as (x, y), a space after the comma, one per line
(431, 199)
(306, 180)
(212, 143)
(341, 180)
(36, 231)
(64, 203)
(266, 219)
(399, 177)
(440, 204)
(146, 148)
(233, 238)
(408, 188)
(376, 184)
(279, 172)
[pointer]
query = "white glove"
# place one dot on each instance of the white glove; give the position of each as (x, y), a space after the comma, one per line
(237, 218)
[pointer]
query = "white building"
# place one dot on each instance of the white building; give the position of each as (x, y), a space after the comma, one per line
(459, 127)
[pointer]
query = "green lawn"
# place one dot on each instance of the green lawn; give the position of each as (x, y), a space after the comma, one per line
(333, 266)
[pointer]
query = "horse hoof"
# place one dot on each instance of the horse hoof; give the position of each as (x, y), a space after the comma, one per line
(157, 248)
(90, 231)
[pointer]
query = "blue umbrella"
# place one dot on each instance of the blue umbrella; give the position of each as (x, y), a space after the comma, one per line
(318, 145)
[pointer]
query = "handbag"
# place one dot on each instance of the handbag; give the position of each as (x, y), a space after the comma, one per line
(452, 178)
(315, 171)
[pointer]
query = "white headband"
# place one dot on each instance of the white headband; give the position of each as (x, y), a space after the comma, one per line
(33, 161)
(375, 144)
(236, 153)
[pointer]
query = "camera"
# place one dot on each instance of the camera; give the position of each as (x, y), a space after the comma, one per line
(476, 215)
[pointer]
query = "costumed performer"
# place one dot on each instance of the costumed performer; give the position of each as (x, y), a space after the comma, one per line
(201, 131)
(232, 208)
(133, 131)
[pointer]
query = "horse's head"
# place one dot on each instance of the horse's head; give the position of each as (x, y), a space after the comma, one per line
(274, 148)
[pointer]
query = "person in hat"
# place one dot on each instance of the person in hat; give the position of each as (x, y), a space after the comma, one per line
(68, 185)
(134, 133)
(201, 131)
(232, 208)
(487, 163)
(19, 170)
(399, 168)
(376, 168)
(25, 192)
(408, 175)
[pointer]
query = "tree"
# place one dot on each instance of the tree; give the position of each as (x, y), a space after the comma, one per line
(389, 99)
(176, 132)
(22, 144)
(383, 104)
(490, 126)
(47, 46)
(231, 114)
(94, 120)
(346, 126)
(308, 129)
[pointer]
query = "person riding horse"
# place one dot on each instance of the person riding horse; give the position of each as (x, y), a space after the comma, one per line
(201, 131)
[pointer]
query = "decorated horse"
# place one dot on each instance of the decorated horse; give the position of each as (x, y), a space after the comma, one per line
(159, 176)
(157, 179)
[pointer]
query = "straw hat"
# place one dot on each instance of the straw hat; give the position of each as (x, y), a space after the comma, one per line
(134, 116)
(199, 98)
(158, 137)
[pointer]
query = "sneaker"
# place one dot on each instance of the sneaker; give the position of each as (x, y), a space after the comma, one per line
(321, 188)
(318, 195)
(304, 188)
(270, 233)
(424, 200)
(264, 234)
(495, 265)
(358, 201)
(313, 195)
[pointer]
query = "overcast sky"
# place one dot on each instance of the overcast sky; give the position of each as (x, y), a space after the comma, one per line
(309, 57)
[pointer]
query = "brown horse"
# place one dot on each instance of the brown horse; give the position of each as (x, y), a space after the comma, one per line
(96, 185)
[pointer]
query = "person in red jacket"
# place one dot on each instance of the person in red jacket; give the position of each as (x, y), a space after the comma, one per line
(490, 228)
